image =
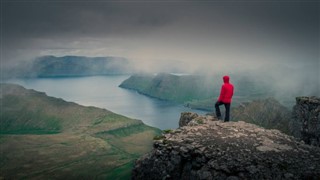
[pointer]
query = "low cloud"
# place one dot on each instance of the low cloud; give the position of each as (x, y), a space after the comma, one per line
(279, 40)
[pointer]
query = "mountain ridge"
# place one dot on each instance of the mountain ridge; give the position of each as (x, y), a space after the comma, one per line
(266, 112)
(70, 66)
(195, 91)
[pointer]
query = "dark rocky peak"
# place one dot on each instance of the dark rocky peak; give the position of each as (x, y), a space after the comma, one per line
(205, 148)
(306, 119)
(267, 113)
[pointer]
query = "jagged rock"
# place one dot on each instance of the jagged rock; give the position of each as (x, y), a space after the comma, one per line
(205, 148)
(186, 117)
(306, 119)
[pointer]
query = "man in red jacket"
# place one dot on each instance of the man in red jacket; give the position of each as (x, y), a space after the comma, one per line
(225, 97)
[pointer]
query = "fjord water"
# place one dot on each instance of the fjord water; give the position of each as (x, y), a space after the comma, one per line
(103, 92)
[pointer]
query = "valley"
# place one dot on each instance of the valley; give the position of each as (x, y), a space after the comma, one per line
(44, 137)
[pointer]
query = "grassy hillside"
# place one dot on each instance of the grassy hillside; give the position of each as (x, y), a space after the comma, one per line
(171, 87)
(195, 91)
(44, 137)
(251, 101)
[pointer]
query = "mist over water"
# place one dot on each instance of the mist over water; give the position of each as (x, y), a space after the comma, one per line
(103, 92)
(270, 43)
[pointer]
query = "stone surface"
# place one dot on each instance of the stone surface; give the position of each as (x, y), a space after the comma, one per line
(306, 119)
(205, 148)
(186, 118)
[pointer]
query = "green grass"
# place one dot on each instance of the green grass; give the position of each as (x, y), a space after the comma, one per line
(170, 87)
(44, 137)
(110, 118)
(158, 137)
(166, 131)
(121, 173)
(127, 131)
(28, 122)
(206, 104)
(198, 92)
(199, 121)
(29, 131)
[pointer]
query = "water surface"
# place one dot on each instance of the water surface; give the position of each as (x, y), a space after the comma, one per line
(103, 92)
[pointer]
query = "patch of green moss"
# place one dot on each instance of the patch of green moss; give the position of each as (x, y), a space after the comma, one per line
(129, 130)
(158, 137)
(121, 173)
(166, 131)
(199, 121)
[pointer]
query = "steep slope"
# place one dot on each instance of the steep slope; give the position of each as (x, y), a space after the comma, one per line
(44, 137)
(267, 113)
(196, 91)
(305, 122)
(170, 87)
(205, 148)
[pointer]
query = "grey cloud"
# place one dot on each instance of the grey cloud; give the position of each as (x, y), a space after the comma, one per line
(75, 19)
(190, 31)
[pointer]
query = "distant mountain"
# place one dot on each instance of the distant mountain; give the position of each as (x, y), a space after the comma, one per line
(170, 87)
(43, 137)
(251, 101)
(267, 113)
(52, 66)
(195, 91)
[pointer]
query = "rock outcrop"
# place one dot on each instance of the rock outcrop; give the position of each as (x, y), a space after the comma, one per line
(205, 148)
(306, 120)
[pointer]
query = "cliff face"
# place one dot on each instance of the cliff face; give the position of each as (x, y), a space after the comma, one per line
(306, 120)
(205, 148)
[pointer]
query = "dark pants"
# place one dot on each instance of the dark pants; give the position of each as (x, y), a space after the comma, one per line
(218, 113)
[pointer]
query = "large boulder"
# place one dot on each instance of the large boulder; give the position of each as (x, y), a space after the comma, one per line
(186, 117)
(306, 119)
(205, 148)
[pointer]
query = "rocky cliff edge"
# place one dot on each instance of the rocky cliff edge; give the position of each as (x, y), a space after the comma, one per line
(305, 123)
(205, 148)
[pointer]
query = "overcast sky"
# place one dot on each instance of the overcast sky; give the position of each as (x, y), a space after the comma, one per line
(218, 34)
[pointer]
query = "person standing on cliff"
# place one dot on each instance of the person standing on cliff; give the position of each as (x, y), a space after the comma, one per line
(225, 97)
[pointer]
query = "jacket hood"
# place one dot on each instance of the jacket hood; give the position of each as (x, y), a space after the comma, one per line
(226, 79)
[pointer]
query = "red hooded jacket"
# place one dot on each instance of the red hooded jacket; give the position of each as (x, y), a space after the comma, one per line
(226, 92)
